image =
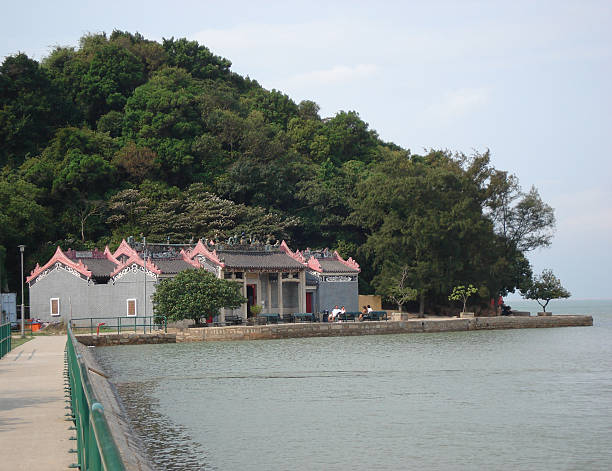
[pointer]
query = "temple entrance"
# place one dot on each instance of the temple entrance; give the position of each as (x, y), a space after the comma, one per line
(251, 298)
(309, 302)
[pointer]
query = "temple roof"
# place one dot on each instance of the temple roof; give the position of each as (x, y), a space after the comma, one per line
(336, 266)
(172, 267)
(258, 260)
(166, 259)
(98, 267)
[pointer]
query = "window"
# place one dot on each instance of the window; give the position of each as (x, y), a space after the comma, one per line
(54, 306)
(131, 307)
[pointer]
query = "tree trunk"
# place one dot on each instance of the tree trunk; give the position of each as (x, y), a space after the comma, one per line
(422, 305)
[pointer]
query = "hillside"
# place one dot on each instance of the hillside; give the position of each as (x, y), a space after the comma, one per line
(125, 136)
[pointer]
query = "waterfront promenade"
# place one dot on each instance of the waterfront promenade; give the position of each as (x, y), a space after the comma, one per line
(33, 432)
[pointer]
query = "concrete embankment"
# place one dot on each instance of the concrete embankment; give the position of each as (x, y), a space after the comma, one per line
(283, 331)
(324, 329)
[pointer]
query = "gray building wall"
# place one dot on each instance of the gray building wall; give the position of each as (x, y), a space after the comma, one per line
(86, 299)
(341, 293)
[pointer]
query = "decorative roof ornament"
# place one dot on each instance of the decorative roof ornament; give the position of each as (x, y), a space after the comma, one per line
(59, 257)
(189, 260)
(200, 249)
(110, 256)
(125, 249)
(314, 264)
(297, 256)
(349, 263)
(135, 259)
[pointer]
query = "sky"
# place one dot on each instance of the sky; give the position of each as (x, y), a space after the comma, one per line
(529, 80)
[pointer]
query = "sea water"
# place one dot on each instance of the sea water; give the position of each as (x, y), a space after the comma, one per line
(506, 400)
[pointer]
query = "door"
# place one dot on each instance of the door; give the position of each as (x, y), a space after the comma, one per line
(309, 302)
(251, 298)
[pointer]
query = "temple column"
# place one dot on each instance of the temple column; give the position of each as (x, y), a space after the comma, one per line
(269, 295)
(245, 310)
(280, 293)
(221, 317)
(258, 288)
(302, 291)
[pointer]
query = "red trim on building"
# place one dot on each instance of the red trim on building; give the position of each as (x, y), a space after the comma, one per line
(297, 255)
(200, 249)
(138, 261)
(125, 249)
(110, 256)
(349, 263)
(190, 261)
(314, 264)
(60, 257)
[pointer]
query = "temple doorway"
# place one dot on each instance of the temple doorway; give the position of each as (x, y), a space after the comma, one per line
(251, 298)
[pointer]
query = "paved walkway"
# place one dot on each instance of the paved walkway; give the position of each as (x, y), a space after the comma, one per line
(33, 433)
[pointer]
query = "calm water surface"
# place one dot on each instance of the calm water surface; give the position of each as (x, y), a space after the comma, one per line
(517, 399)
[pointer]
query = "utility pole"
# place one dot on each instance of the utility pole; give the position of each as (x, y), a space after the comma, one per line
(21, 249)
(144, 256)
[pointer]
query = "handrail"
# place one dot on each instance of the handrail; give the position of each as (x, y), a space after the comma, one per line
(96, 448)
(5, 339)
(125, 323)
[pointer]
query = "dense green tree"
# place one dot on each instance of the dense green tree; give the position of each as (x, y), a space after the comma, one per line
(196, 59)
(30, 108)
(195, 294)
(421, 213)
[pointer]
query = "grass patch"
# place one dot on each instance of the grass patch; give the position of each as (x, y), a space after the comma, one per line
(17, 341)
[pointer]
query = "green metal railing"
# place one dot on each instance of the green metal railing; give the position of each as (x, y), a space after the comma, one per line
(5, 339)
(96, 449)
(119, 324)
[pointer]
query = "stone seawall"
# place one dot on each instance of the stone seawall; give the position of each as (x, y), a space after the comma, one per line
(109, 340)
(284, 331)
(324, 329)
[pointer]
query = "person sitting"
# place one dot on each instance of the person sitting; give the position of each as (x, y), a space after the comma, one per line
(369, 309)
(364, 312)
(334, 313)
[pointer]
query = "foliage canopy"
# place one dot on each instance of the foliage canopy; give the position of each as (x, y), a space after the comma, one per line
(544, 288)
(195, 294)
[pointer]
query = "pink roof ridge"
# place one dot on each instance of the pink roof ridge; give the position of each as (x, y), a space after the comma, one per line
(189, 260)
(314, 264)
(139, 261)
(201, 249)
(60, 257)
(349, 263)
(297, 255)
(110, 256)
(124, 249)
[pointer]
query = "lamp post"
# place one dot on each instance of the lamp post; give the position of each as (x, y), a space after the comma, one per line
(144, 256)
(21, 249)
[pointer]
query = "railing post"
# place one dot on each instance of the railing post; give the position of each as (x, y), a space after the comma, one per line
(118, 325)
